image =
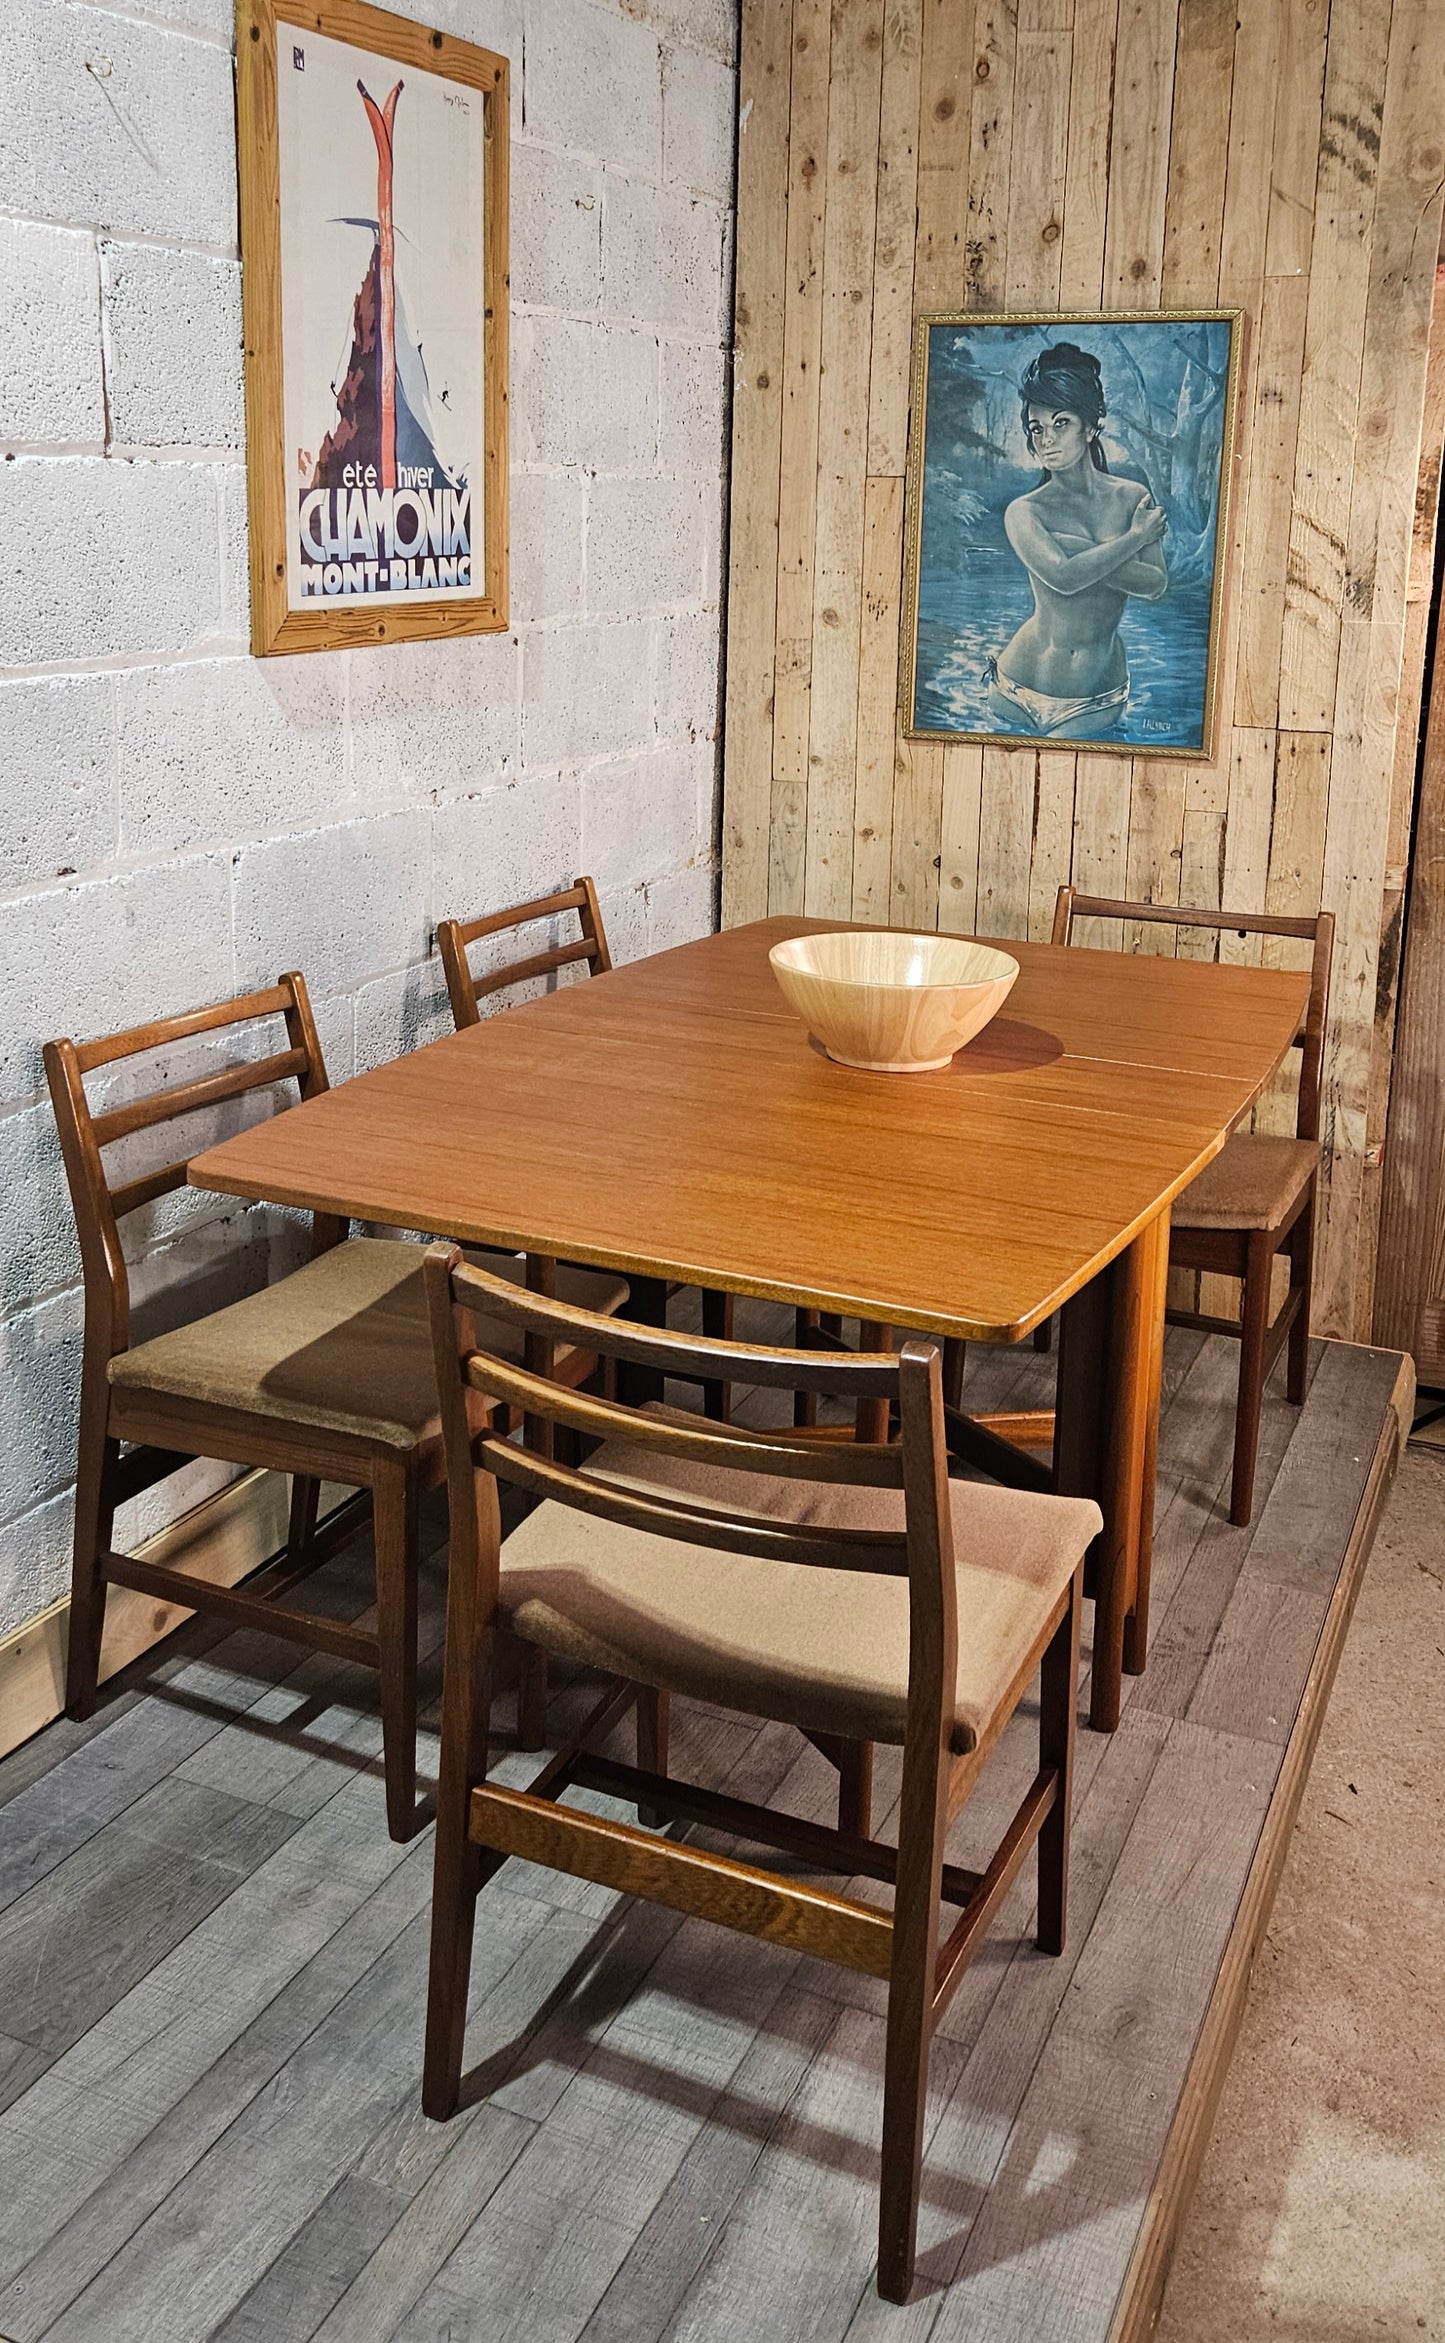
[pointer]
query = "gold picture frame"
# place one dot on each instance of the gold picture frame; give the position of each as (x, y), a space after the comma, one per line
(1152, 682)
(376, 542)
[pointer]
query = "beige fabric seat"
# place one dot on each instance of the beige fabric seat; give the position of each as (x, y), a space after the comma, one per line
(342, 1343)
(826, 1650)
(1253, 1182)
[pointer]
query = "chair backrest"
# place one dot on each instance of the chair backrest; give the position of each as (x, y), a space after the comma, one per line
(454, 936)
(1318, 932)
(921, 1551)
(100, 1203)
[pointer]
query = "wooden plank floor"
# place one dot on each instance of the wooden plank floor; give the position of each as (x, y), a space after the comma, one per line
(212, 1966)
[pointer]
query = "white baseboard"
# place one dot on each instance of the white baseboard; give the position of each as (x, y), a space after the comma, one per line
(222, 1539)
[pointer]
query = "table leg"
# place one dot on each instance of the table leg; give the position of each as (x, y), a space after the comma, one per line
(1109, 1341)
(1136, 1627)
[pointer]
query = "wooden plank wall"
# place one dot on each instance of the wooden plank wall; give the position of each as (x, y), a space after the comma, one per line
(1282, 156)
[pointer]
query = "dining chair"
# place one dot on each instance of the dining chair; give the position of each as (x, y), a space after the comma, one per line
(840, 1587)
(454, 940)
(325, 1374)
(1256, 1200)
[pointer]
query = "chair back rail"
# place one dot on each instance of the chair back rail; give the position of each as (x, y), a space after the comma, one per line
(455, 935)
(457, 1291)
(1317, 930)
(100, 1203)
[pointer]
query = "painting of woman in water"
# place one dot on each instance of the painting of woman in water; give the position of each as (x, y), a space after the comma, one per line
(1065, 520)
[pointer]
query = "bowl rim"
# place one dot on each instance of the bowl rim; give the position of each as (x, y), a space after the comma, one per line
(1008, 966)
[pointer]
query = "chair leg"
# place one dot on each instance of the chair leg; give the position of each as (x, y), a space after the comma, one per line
(531, 1696)
(717, 1326)
(910, 2032)
(955, 1354)
(652, 1723)
(1044, 1335)
(1058, 1719)
(1254, 1333)
(305, 1507)
(855, 1789)
(1301, 1259)
(94, 1527)
(394, 1504)
(460, 1869)
(805, 1403)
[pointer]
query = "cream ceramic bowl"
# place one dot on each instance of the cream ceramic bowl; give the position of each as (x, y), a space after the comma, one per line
(895, 1004)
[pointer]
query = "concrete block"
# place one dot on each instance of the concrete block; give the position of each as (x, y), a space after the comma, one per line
(57, 778)
(586, 693)
(433, 718)
(35, 1561)
(584, 394)
(50, 372)
(120, 122)
(699, 122)
(39, 1401)
(711, 25)
(38, 1249)
(96, 957)
(235, 558)
(662, 257)
(556, 230)
(639, 819)
(107, 558)
(400, 1013)
(506, 845)
(173, 331)
(340, 903)
(693, 409)
(549, 521)
(218, 749)
(624, 917)
(646, 543)
(594, 83)
(689, 675)
(682, 907)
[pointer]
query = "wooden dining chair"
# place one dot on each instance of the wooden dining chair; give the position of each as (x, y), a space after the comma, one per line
(465, 989)
(840, 1587)
(326, 1374)
(1256, 1200)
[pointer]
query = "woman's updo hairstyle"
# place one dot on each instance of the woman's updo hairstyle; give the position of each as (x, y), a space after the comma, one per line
(1066, 376)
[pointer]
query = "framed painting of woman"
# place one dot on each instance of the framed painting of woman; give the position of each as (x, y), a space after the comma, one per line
(1068, 507)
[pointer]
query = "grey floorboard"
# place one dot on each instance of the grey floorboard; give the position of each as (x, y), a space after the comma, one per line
(212, 1963)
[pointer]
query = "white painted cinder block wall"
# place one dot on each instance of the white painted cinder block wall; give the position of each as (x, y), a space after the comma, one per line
(179, 821)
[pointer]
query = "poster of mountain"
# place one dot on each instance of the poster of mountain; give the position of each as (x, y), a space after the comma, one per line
(373, 198)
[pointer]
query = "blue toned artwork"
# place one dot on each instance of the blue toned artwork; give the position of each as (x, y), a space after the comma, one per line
(1069, 531)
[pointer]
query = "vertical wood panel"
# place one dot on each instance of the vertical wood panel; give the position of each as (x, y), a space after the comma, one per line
(1283, 156)
(845, 351)
(763, 98)
(803, 226)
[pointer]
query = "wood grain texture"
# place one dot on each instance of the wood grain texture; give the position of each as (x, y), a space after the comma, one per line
(1278, 156)
(673, 1119)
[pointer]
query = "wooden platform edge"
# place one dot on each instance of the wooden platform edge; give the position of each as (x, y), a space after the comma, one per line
(1141, 2297)
(223, 1539)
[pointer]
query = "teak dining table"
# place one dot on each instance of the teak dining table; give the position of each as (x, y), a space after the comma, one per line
(673, 1119)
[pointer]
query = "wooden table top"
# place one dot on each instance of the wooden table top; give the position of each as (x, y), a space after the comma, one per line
(674, 1118)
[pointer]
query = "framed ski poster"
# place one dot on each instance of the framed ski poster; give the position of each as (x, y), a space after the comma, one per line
(373, 174)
